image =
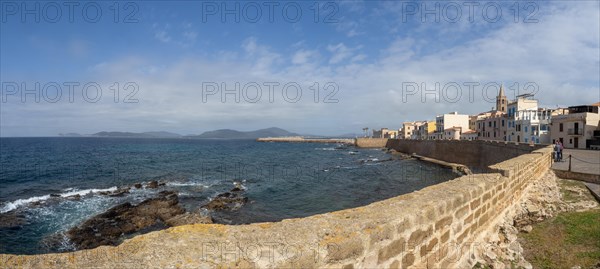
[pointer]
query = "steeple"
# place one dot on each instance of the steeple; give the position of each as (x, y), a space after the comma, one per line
(501, 101)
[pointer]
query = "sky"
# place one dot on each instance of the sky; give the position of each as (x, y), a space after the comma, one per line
(324, 68)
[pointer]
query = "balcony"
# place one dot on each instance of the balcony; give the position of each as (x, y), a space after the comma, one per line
(578, 131)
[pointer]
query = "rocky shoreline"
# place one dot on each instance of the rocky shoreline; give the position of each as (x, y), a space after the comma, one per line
(126, 220)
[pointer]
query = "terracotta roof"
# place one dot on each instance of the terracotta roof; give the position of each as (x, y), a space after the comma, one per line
(596, 104)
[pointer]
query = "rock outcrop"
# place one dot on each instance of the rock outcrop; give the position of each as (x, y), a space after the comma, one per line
(110, 227)
(231, 200)
(12, 220)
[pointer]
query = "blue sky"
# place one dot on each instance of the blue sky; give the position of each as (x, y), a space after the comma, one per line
(365, 50)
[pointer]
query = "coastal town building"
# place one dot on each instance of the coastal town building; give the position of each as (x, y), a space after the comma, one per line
(578, 127)
(409, 129)
(385, 133)
(469, 135)
(426, 130)
(526, 122)
(492, 127)
(501, 100)
(452, 133)
(521, 121)
(449, 126)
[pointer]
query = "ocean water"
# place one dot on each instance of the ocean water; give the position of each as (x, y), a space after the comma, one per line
(282, 180)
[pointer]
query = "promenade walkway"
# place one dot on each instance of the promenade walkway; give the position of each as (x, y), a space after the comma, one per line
(583, 161)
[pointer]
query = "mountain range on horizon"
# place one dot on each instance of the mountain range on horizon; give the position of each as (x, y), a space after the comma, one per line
(214, 134)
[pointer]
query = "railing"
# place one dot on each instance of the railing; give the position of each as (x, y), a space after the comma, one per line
(578, 131)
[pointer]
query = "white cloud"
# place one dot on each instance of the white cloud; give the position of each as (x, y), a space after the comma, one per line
(340, 52)
(163, 36)
(303, 56)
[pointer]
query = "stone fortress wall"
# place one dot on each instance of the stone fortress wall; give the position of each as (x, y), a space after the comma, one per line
(365, 142)
(436, 227)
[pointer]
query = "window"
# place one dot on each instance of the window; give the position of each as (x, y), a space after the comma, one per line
(494, 124)
(526, 140)
(502, 123)
(489, 124)
(560, 127)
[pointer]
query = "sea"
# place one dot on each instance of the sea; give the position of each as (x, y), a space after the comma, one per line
(39, 176)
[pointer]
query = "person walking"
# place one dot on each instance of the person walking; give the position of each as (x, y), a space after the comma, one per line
(560, 151)
(556, 150)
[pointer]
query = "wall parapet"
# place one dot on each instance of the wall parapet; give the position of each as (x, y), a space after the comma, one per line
(436, 226)
(367, 142)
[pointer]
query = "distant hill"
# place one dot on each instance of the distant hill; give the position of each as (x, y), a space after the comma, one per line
(70, 135)
(233, 134)
(138, 135)
(350, 135)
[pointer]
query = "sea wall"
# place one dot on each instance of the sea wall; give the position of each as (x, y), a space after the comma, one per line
(440, 226)
(367, 142)
(477, 154)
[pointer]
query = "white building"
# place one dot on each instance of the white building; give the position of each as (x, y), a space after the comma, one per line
(578, 128)
(526, 122)
(451, 122)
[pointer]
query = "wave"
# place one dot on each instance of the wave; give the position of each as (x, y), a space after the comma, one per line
(187, 184)
(10, 206)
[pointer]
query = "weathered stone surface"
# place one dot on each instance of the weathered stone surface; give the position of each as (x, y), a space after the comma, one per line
(443, 223)
(188, 218)
(391, 250)
(346, 249)
(418, 236)
(408, 260)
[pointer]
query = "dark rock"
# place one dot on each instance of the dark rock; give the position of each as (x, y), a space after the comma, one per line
(162, 184)
(152, 185)
(119, 192)
(226, 201)
(138, 185)
(375, 161)
(109, 227)
(75, 197)
(12, 219)
(54, 195)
